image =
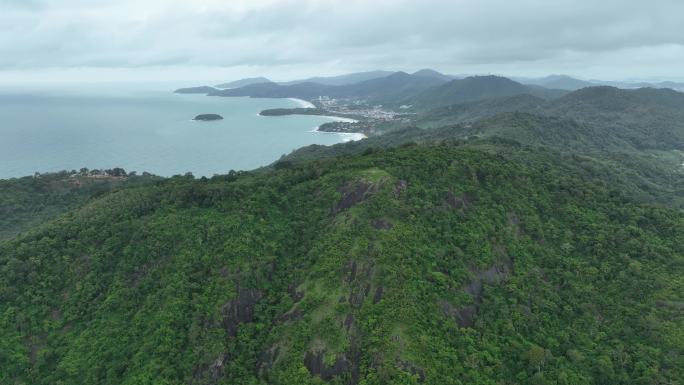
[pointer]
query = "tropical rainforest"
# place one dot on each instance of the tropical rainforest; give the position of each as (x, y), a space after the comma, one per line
(522, 246)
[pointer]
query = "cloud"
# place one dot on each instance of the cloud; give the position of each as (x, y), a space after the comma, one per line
(584, 36)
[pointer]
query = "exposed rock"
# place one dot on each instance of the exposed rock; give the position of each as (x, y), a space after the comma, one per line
(55, 314)
(413, 369)
(317, 367)
(216, 368)
(294, 315)
(381, 224)
(400, 187)
(349, 321)
(239, 310)
(378, 294)
(351, 269)
(353, 194)
(465, 316)
(359, 282)
(492, 275)
(210, 373)
(267, 359)
(677, 305)
(357, 296)
(463, 201)
(294, 294)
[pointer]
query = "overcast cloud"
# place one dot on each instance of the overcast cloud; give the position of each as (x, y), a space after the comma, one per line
(212, 39)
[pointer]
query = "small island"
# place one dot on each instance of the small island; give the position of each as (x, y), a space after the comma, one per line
(208, 117)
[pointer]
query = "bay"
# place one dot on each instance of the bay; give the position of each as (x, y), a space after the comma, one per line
(135, 128)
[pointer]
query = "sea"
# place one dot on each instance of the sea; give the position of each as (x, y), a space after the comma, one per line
(146, 129)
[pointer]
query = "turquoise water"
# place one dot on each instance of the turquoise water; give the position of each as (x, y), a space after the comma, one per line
(145, 130)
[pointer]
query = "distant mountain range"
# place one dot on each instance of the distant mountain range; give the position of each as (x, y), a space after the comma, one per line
(561, 82)
(468, 90)
(395, 86)
(638, 119)
(342, 80)
(425, 89)
(355, 85)
(244, 82)
(565, 82)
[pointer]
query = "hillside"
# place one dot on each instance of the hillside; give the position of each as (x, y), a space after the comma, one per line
(30, 201)
(648, 118)
(473, 111)
(644, 119)
(561, 82)
(439, 264)
(470, 89)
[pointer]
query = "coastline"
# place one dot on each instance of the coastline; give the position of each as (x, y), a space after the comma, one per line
(338, 118)
(347, 136)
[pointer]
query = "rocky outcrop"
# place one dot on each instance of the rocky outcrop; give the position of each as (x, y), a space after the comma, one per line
(381, 224)
(353, 194)
(460, 201)
(400, 187)
(314, 361)
(379, 292)
(492, 276)
(240, 310)
(412, 368)
(267, 359)
(294, 315)
(465, 315)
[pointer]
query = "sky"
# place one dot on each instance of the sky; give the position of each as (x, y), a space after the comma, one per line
(217, 40)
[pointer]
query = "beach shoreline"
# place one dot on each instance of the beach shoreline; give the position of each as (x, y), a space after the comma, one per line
(302, 103)
(346, 136)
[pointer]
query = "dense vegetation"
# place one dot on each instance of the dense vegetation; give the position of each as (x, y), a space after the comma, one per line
(435, 264)
(30, 201)
(626, 120)
(510, 235)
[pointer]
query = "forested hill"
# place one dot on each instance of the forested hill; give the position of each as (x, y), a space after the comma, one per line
(30, 201)
(632, 120)
(468, 90)
(422, 264)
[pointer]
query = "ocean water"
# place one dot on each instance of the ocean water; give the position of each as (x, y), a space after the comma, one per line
(145, 130)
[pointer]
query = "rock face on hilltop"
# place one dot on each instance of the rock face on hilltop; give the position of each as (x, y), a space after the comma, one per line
(208, 117)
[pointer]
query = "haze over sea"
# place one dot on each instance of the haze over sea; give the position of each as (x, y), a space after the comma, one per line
(145, 128)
